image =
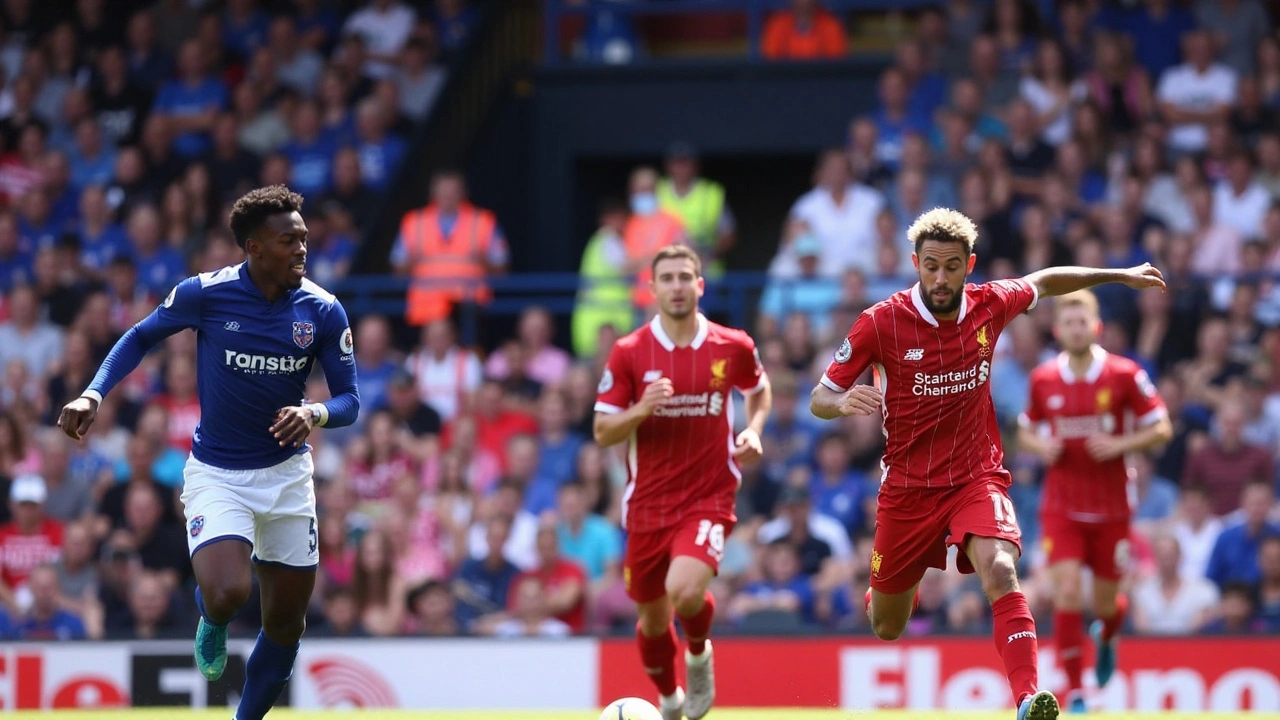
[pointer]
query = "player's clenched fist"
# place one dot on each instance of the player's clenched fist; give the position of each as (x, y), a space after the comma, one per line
(747, 448)
(656, 395)
(292, 426)
(77, 416)
(860, 400)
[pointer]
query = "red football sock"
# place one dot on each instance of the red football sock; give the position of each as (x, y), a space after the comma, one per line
(1111, 626)
(697, 628)
(1068, 631)
(1015, 638)
(658, 655)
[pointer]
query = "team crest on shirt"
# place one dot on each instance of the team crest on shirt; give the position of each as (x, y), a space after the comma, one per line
(718, 372)
(1104, 400)
(876, 559)
(983, 339)
(197, 525)
(844, 352)
(304, 332)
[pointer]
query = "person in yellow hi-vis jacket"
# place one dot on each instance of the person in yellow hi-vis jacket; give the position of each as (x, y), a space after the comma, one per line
(604, 292)
(700, 205)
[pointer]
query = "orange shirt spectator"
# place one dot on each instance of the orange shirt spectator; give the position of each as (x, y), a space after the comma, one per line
(805, 32)
(648, 230)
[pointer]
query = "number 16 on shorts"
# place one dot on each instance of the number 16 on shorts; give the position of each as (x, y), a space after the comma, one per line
(711, 536)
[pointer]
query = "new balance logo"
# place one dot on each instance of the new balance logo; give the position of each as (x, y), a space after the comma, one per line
(914, 354)
(1025, 634)
(232, 326)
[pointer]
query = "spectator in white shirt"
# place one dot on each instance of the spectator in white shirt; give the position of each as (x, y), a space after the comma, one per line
(1172, 602)
(26, 337)
(841, 214)
(1196, 529)
(419, 80)
(793, 505)
(1239, 201)
(385, 26)
(447, 375)
(1217, 245)
(1195, 93)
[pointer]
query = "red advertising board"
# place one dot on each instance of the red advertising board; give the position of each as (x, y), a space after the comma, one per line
(1189, 674)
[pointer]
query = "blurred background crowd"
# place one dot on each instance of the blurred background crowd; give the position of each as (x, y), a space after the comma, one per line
(469, 498)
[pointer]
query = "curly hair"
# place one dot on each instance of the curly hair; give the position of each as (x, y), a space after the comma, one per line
(254, 207)
(943, 225)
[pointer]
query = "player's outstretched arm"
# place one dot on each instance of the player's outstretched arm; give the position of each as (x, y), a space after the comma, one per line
(338, 360)
(179, 311)
(828, 404)
(1062, 280)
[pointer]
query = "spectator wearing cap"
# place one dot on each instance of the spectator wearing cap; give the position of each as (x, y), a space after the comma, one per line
(649, 229)
(46, 620)
(1195, 93)
(449, 248)
(810, 292)
(30, 540)
(604, 294)
(815, 535)
(1235, 554)
(700, 206)
(806, 31)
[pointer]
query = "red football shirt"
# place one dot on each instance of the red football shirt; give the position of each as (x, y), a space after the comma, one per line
(20, 554)
(939, 422)
(1113, 392)
(680, 459)
(562, 573)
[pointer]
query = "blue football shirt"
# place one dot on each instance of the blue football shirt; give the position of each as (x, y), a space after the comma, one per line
(252, 359)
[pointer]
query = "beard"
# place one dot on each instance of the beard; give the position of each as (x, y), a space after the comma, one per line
(680, 313)
(951, 305)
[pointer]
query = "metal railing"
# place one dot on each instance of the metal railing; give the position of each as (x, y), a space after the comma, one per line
(755, 12)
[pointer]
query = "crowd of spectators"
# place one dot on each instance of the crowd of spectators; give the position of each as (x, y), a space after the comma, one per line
(470, 499)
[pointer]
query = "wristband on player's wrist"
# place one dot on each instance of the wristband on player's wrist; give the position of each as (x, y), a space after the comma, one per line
(319, 414)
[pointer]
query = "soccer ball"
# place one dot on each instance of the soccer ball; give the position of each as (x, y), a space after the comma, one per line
(630, 709)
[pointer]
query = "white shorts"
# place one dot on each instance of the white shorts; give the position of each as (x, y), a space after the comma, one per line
(273, 509)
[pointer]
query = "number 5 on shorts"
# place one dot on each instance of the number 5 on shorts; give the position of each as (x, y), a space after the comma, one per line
(711, 534)
(1006, 519)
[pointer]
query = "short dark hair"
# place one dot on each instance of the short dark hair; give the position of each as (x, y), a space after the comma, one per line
(254, 207)
(672, 252)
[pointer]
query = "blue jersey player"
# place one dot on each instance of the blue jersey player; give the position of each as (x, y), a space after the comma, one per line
(261, 326)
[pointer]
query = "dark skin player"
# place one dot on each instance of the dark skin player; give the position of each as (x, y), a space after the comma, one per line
(276, 253)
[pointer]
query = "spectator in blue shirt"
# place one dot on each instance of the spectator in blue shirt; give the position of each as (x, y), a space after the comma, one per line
(37, 229)
(789, 441)
(149, 65)
(1235, 555)
(783, 588)
(92, 162)
(375, 365)
(310, 152)
(1156, 28)
(159, 266)
(244, 28)
(453, 21)
(101, 240)
(46, 620)
(64, 195)
(192, 102)
(15, 263)
(481, 585)
(810, 292)
(523, 462)
(558, 444)
(894, 118)
(928, 87)
(838, 490)
(587, 539)
(317, 24)
(381, 151)
(1157, 496)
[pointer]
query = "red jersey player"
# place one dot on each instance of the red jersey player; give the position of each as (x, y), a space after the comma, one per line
(1080, 405)
(944, 482)
(667, 390)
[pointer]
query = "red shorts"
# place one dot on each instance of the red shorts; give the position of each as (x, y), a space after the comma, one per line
(1103, 547)
(648, 555)
(914, 527)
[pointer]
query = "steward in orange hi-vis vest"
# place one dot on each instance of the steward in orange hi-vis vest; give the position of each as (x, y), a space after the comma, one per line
(446, 268)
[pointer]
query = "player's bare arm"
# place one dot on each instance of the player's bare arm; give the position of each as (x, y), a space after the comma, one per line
(747, 447)
(1150, 436)
(612, 428)
(1062, 280)
(1045, 447)
(829, 404)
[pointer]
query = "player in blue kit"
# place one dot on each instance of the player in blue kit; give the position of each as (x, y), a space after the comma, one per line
(261, 326)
